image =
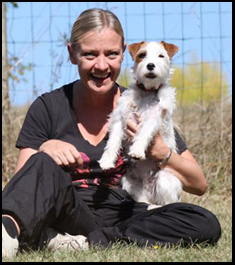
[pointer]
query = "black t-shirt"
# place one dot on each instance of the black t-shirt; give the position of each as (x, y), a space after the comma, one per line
(51, 116)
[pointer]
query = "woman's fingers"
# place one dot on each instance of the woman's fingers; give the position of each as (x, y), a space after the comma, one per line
(131, 129)
(63, 153)
(77, 157)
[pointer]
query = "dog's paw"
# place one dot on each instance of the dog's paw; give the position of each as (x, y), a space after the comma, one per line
(106, 164)
(137, 153)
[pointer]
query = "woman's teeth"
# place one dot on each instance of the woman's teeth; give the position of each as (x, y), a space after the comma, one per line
(99, 76)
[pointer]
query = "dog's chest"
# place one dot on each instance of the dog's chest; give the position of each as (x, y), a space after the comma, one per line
(142, 101)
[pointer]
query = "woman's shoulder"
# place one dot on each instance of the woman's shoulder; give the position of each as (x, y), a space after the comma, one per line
(64, 92)
(57, 99)
(54, 101)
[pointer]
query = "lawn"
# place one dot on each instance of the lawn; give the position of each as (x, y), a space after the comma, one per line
(220, 205)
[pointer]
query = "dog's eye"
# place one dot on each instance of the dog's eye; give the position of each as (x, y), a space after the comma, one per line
(161, 56)
(142, 55)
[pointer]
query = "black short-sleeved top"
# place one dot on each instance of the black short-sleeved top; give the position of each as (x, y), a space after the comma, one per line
(51, 116)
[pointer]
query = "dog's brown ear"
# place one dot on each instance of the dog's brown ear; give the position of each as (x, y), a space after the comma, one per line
(170, 48)
(134, 47)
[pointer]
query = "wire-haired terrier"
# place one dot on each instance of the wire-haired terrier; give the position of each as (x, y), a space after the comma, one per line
(153, 100)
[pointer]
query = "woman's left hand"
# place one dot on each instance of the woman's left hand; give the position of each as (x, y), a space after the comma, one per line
(157, 150)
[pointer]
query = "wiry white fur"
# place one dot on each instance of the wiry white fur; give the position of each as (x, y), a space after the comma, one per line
(144, 180)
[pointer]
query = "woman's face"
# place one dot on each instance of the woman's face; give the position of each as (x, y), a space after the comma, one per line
(99, 56)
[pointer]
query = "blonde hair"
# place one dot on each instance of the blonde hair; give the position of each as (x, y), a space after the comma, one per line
(95, 20)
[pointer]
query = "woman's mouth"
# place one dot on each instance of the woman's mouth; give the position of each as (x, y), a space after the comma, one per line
(100, 77)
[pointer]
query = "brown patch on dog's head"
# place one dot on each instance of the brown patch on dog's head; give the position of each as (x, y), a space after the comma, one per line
(134, 48)
(170, 48)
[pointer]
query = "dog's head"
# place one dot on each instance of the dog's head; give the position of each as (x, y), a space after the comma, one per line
(152, 62)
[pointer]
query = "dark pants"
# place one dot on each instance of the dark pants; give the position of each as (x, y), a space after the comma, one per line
(42, 195)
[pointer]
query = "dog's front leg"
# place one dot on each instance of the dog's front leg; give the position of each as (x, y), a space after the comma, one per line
(113, 146)
(116, 132)
(149, 125)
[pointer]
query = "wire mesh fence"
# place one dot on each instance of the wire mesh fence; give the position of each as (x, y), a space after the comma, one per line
(38, 33)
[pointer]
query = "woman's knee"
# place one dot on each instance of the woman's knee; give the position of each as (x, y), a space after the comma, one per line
(212, 228)
(41, 167)
(203, 225)
(42, 157)
(43, 162)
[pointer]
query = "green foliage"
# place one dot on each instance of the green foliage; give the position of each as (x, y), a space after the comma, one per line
(17, 69)
(201, 83)
(15, 4)
(125, 78)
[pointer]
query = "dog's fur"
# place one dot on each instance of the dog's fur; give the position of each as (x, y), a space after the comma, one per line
(150, 97)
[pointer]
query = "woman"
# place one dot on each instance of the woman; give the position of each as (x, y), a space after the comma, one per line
(58, 183)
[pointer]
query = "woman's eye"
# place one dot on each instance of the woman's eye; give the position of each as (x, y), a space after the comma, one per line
(89, 54)
(113, 54)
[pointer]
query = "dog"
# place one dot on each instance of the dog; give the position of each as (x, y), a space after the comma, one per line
(153, 100)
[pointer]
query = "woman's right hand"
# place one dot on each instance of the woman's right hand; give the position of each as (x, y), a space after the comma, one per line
(62, 153)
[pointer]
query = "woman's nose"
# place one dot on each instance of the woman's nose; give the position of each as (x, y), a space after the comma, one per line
(101, 63)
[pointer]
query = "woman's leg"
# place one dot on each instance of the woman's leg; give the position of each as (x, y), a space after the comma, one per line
(41, 195)
(169, 225)
(172, 224)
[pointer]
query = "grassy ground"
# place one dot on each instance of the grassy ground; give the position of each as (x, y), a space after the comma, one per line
(221, 205)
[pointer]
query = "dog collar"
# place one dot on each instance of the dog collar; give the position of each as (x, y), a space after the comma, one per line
(152, 89)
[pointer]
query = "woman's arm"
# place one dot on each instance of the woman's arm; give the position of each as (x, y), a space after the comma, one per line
(24, 155)
(184, 166)
(61, 152)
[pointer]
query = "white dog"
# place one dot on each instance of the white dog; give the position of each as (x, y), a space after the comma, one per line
(149, 98)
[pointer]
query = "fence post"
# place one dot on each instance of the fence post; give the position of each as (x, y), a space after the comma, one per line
(5, 75)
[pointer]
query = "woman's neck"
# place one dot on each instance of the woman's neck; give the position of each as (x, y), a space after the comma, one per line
(89, 100)
(92, 112)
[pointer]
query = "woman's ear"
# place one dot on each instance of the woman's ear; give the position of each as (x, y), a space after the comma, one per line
(71, 54)
(124, 49)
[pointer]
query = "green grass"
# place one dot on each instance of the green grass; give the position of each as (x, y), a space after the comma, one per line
(220, 205)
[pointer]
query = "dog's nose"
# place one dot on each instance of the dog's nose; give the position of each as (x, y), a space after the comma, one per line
(150, 66)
